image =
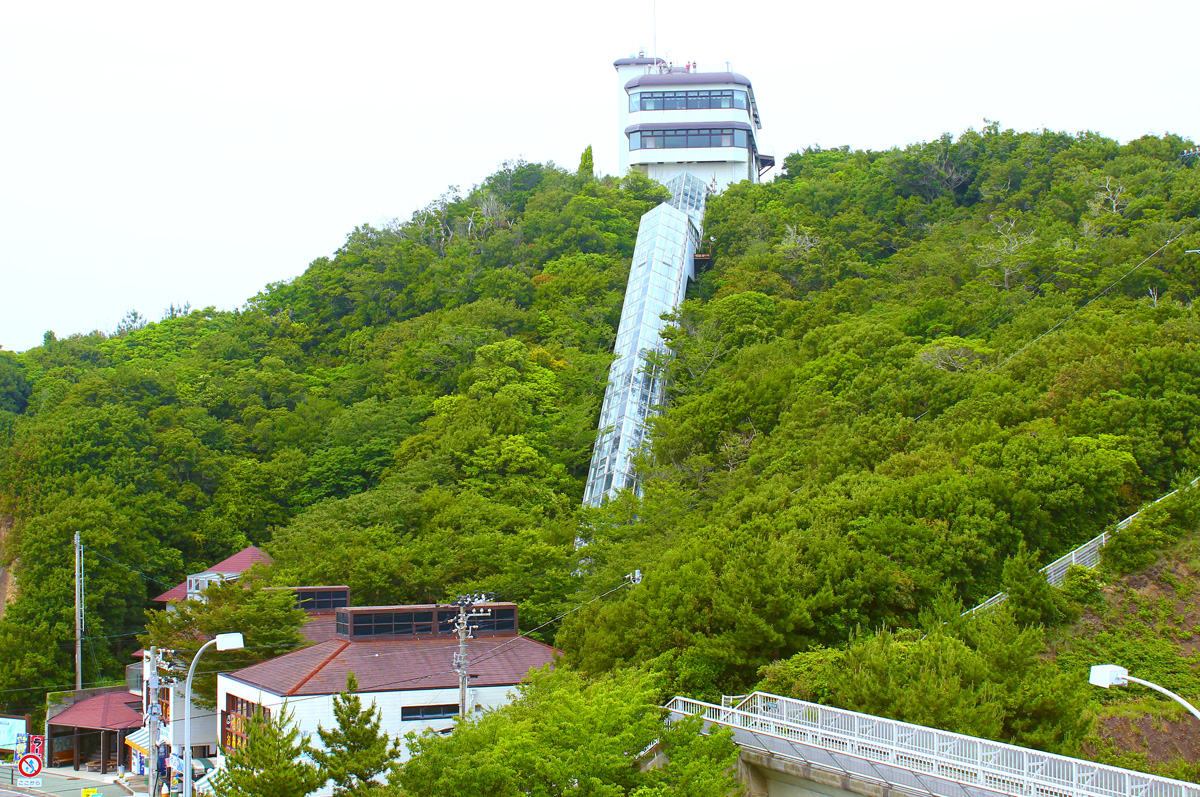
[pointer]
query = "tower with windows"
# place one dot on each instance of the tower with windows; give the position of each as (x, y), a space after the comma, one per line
(695, 132)
(676, 119)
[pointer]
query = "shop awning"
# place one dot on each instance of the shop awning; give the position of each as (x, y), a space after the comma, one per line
(139, 740)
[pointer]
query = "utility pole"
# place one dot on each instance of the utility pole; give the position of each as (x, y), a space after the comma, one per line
(462, 624)
(152, 711)
(78, 611)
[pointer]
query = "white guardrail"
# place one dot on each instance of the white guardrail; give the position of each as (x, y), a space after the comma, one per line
(913, 758)
(1086, 555)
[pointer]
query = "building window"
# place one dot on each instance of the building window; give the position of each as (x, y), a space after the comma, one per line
(235, 720)
(164, 703)
(417, 621)
(413, 713)
(317, 600)
(688, 139)
(393, 623)
(688, 100)
(499, 620)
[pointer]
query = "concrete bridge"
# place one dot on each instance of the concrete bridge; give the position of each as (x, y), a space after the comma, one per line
(792, 748)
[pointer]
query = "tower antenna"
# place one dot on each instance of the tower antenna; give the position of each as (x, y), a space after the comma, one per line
(654, 16)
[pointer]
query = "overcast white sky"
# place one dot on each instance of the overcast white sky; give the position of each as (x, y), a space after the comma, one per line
(155, 152)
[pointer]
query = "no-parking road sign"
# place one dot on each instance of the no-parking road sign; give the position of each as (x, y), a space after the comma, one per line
(29, 766)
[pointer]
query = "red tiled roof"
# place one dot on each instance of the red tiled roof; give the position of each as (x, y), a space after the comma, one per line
(319, 627)
(112, 711)
(240, 562)
(390, 664)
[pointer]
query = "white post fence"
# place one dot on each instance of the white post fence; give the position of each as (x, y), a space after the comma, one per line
(912, 758)
(1086, 555)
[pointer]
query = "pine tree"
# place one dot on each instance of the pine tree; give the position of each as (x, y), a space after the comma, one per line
(270, 763)
(587, 166)
(1032, 599)
(356, 751)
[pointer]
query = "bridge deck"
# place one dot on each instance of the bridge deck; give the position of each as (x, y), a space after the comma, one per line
(914, 759)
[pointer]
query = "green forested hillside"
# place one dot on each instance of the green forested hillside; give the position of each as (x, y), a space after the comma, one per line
(900, 368)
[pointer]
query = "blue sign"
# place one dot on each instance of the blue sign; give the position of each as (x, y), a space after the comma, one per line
(9, 728)
(20, 746)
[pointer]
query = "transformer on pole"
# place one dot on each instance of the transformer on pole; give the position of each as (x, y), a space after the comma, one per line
(462, 624)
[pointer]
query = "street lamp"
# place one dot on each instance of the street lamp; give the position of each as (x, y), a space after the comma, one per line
(232, 641)
(1107, 675)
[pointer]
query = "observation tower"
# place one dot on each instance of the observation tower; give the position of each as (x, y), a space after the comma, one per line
(676, 119)
(696, 132)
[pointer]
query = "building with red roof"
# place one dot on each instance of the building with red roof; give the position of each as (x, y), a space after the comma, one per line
(225, 570)
(319, 604)
(96, 725)
(403, 658)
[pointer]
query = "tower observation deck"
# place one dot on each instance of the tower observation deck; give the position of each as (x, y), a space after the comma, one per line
(675, 119)
(696, 132)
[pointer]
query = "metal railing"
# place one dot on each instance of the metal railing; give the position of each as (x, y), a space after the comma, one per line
(1086, 555)
(913, 758)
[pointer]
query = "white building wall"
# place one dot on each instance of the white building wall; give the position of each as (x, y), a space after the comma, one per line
(625, 73)
(204, 722)
(722, 174)
(725, 165)
(715, 116)
(310, 711)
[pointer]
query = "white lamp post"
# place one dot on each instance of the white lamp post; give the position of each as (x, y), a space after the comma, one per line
(232, 641)
(1107, 675)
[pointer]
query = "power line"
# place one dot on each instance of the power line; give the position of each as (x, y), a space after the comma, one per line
(130, 569)
(1114, 284)
(1004, 311)
(1050, 274)
(890, 391)
(632, 579)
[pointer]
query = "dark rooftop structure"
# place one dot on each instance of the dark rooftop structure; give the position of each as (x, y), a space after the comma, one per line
(321, 600)
(321, 605)
(424, 620)
(639, 61)
(397, 648)
(686, 78)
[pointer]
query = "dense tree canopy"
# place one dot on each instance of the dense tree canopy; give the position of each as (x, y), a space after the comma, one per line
(267, 619)
(902, 370)
(566, 735)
